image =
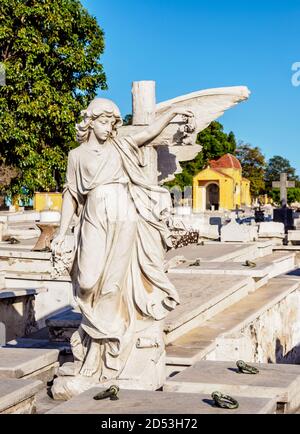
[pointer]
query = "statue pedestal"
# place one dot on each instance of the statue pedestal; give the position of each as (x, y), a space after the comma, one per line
(144, 368)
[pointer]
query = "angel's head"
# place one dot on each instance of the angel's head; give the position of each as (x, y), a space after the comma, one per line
(102, 117)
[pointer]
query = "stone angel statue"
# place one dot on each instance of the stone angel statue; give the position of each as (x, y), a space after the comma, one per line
(121, 237)
(118, 276)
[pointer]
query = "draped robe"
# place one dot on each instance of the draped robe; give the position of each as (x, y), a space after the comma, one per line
(120, 239)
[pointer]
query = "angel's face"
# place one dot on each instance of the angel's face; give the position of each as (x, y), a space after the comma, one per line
(103, 127)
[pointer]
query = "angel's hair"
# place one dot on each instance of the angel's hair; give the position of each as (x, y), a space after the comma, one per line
(98, 107)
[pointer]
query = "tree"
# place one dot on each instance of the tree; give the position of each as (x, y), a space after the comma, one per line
(293, 195)
(276, 166)
(253, 165)
(215, 143)
(50, 50)
(127, 120)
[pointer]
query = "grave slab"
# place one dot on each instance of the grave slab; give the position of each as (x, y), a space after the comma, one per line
(264, 268)
(276, 381)
(18, 396)
(28, 363)
(202, 297)
(217, 252)
(145, 402)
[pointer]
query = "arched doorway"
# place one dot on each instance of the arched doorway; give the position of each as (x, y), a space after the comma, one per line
(212, 196)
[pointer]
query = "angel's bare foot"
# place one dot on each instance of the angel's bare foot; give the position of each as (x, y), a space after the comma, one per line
(92, 361)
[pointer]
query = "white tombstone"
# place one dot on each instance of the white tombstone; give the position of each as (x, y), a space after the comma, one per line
(234, 232)
(271, 230)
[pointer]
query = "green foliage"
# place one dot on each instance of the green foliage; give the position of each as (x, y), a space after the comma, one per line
(253, 164)
(276, 166)
(127, 120)
(215, 143)
(50, 50)
(293, 195)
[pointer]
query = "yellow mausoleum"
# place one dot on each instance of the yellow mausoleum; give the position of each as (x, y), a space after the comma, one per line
(47, 201)
(221, 186)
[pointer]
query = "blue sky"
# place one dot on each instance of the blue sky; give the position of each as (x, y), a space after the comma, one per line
(197, 44)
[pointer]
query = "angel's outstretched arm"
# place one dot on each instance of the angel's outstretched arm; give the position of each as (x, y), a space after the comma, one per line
(149, 133)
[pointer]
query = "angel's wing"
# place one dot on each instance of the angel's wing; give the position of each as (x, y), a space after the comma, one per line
(175, 144)
(207, 105)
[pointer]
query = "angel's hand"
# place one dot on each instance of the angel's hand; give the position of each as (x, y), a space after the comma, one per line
(57, 243)
(183, 112)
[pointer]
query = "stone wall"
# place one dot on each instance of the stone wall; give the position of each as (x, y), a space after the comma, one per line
(274, 337)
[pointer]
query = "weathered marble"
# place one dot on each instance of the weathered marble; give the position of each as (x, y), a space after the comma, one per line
(276, 381)
(35, 363)
(235, 232)
(17, 310)
(254, 329)
(202, 297)
(18, 396)
(263, 269)
(145, 402)
(216, 252)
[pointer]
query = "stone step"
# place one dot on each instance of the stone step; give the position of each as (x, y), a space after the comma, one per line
(146, 402)
(277, 381)
(40, 364)
(260, 320)
(18, 396)
(64, 348)
(6, 293)
(265, 268)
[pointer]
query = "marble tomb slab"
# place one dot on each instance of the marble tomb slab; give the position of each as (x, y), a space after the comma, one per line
(146, 402)
(18, 396)
(201, 297)
(24, 363)
(217, 252)
(265, 268)
(277, 381)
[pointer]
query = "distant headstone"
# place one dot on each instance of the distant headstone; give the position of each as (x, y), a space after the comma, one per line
(284, 215)
(259, 215)
(271, 230)
(234, 232)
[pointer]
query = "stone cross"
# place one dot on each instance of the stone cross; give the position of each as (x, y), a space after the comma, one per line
(283, 184)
